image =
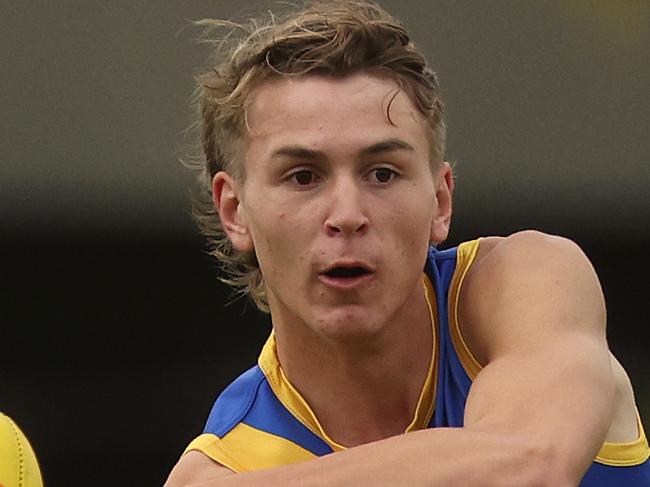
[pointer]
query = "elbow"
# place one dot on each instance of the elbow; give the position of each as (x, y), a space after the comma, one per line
(539, 464)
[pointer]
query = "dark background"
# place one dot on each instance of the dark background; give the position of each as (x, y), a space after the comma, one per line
(115, 332)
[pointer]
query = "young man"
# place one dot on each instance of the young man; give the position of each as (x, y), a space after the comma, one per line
(327, 193)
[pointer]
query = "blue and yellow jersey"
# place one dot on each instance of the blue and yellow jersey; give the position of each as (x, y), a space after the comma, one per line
(261, 421)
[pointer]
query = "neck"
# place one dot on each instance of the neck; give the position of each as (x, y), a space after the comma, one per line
(366, 389)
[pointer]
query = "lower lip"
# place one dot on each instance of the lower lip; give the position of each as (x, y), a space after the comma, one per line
(344, 283)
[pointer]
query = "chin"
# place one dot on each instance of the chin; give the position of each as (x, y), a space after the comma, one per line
(349, 322)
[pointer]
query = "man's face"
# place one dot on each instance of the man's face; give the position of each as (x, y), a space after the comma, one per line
(339, 204)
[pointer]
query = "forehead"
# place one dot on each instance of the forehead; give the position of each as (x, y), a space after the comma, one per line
(332, 114)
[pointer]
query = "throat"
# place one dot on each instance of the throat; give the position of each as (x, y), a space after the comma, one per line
(361, 390)
(361, 399)
(364, 415)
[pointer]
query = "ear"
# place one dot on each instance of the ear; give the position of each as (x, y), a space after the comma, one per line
(441, 221)
(226, 196)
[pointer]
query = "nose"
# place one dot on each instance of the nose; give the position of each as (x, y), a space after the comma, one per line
(347, 214)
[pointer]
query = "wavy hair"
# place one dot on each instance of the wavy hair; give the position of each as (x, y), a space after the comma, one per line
(333, 38)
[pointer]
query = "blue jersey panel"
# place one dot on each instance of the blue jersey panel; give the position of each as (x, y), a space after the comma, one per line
(453, 381)
(600, 475)
(234, 402)
(250, 400)
(268, 414)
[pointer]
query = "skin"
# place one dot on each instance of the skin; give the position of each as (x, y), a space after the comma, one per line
(350, 188)
(538, 331)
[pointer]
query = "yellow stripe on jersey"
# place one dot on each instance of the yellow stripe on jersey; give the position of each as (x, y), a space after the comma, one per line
(255, 449)
(427, 399)
(212, 446)
(626, 454)
(288, 395)
(465, 258)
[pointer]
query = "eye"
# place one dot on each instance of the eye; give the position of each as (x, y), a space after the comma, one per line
(382, 175)
(303, 177)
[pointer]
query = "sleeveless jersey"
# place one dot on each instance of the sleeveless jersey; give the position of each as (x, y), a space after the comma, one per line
(261, 421)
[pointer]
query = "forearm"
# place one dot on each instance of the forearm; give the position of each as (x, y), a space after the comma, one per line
(436, 457)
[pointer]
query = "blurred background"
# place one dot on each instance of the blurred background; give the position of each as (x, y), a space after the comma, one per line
(116, 334)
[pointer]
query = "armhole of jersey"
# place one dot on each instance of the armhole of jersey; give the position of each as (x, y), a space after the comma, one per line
(612, 454)
(626, 454)
(212, 446)
(464, 259)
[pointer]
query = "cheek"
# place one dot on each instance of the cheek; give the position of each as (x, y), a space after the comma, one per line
(267, 232)
(413, 223)
(411, 241)
(279, 243)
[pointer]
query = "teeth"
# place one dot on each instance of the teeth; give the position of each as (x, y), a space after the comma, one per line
(346, 272)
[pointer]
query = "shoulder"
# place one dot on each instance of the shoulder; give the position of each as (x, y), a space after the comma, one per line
(528, 284)
(528, 248)
(531, 256)
(234, 402)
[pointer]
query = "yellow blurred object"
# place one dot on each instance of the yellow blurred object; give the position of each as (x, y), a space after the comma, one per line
(18, 464)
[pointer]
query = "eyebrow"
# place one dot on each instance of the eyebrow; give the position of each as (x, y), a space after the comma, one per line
(300, 152)
(389, 145)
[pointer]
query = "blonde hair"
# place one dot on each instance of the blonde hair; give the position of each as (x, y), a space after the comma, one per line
(334, 38)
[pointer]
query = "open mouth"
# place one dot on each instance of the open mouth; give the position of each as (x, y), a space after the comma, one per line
(346, 272)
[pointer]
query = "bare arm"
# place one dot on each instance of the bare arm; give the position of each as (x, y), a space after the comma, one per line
(537, 412)
(537, 319)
